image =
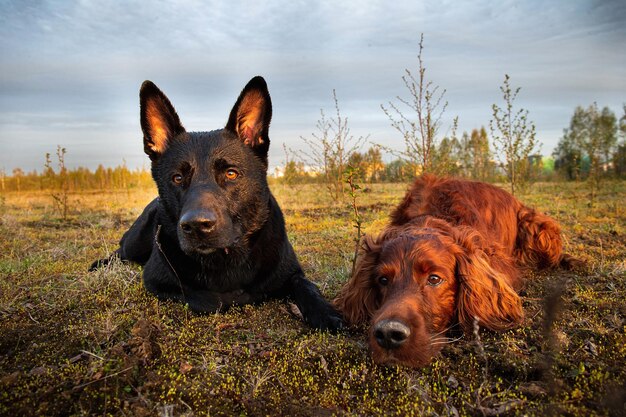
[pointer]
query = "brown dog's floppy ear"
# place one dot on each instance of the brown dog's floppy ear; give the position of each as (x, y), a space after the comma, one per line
(159, 120)
(251, 115)
(358, 299)
(485, 291)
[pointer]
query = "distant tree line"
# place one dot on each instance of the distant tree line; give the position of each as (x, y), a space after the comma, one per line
(468, 156)
(71, 180)
(592, 149)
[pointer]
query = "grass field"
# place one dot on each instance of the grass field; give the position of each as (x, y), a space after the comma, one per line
(79, 343)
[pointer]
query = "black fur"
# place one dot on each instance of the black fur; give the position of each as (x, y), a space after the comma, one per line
(215, 236)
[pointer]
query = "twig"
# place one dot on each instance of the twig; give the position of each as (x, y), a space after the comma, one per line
(156, 240)
(86, 352)
(102, 379)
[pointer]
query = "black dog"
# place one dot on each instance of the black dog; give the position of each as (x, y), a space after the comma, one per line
(215, 236)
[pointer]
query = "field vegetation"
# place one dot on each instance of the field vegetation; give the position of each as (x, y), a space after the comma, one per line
(79, 343)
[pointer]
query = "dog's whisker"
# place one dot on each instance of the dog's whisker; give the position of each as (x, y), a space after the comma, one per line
(445, 341)
(445, 330)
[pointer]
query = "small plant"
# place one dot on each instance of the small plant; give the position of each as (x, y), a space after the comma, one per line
(350, 175)
(331, 148)
(294, 171)
(480, 350)
(60, 198)
(17, 175)
(513, 137)
(552, 306)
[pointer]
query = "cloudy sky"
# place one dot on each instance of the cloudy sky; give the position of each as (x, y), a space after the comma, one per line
(70, 71)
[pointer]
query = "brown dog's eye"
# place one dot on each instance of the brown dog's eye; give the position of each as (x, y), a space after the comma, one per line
(434, 280)
(383, 281)
(177, 179)
(231, 174)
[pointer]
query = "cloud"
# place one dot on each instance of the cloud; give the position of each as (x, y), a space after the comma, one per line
(72, 68)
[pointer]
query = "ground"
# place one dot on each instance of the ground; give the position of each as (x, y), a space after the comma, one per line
(79, 343)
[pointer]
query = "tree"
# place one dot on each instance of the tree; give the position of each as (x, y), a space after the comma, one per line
(583, 133)
(607, 130)
(18, 174)
(514, 136)
(356, 162)
(480, 155)
(619, 158)
(447, 156)
(568, 158)
(367, 166)
(294, 170)
(420, 127)
(374, 165)
(398, 170)
(595, 133)
(474, 155)
(622, 122)
(592, 136)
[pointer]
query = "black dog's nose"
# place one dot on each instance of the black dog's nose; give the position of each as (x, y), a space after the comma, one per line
(391, 334)
(198, 221)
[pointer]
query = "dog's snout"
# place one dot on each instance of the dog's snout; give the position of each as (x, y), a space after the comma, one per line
(199, 222)
(391, 334)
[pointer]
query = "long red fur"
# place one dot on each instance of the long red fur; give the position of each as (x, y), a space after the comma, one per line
(479, 233)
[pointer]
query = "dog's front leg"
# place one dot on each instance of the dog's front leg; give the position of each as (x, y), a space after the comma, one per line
(160, 279)
(316, 311)
(199, 301)
(137, 242)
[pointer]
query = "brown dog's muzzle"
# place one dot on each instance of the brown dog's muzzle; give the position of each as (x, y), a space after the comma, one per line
(391, 333)
(400, 334)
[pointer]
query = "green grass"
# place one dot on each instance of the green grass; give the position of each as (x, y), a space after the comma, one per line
(78, 343)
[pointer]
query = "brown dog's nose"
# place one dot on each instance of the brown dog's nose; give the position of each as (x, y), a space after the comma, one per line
(391, 334)
(199, 222)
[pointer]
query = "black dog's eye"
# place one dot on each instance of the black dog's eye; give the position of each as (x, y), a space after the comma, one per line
(231, 174)
(177, 179)
(383, 281)
(434, 280)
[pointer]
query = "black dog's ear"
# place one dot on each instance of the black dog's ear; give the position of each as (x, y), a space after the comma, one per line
(159, 120)
(250, 117)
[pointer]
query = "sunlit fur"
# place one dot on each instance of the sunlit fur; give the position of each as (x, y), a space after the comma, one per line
(474, 236)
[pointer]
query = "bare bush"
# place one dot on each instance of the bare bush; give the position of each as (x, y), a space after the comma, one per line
(418, 119)
(330, 148)
(60, 189)
(514, 137)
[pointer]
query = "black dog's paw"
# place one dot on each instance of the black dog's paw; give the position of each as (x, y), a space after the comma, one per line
(99, 264)
(102, 262)
(326, 319)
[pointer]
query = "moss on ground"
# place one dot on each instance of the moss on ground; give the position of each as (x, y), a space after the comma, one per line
(78, 343)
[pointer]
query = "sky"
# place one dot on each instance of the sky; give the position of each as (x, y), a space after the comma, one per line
(70, 71)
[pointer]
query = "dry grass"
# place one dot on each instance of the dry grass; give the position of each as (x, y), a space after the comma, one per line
(78, 343)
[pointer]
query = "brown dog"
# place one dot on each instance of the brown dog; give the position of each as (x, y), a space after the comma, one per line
(451, 255)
